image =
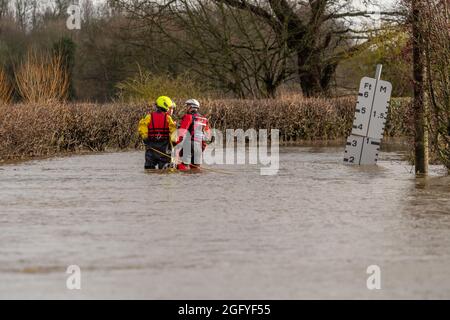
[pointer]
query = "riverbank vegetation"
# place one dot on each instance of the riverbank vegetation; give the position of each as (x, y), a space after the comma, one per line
(34, 130)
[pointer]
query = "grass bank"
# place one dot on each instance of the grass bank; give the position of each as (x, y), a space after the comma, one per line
(28, 130)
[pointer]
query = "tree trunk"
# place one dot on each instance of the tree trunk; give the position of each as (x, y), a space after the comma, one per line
(420, 102)
(308, 76)
(315, 78)
(326, 76)
(271, 89)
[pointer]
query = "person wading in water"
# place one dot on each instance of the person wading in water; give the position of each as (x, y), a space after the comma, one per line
(194, 133)
(159, 133)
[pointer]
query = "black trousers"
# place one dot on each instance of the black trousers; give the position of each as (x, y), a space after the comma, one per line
(159, 159)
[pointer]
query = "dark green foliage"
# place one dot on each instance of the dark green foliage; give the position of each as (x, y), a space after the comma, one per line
(66, 47)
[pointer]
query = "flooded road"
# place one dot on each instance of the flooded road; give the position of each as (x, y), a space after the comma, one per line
(309, 232)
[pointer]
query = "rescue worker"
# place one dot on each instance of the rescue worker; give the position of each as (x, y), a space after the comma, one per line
(159, 133)
(193, 133)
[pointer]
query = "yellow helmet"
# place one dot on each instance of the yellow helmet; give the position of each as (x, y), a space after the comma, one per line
(165, 103)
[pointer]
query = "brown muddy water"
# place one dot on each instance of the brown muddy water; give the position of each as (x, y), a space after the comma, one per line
(309, 232)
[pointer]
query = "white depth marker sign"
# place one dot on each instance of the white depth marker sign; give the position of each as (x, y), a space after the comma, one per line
(361, 150)
(363, 145)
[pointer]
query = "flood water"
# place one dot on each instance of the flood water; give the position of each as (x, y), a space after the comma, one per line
(309, 232)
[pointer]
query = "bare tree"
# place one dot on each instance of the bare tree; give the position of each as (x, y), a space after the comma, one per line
(4, 12)
(436, 26)
(231, 47)
(4, 8)
(22, 11)
(430, 33)
(61, 7)
(318, 33)
(313, 33)
(224, 46)
(35, 13)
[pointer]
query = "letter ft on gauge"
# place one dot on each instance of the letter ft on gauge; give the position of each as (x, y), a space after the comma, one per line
(363, 145)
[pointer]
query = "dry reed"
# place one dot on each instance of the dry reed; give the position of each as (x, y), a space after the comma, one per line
(6, 88)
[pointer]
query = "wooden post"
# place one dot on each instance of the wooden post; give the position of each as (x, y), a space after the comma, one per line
(420, 100)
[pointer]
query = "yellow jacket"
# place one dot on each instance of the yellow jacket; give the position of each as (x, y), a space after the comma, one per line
(144, 122)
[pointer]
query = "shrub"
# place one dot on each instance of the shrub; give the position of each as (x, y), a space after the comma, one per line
(297, 118)
(6, 89)
(146, 86)
(31, 130)
(41, 78)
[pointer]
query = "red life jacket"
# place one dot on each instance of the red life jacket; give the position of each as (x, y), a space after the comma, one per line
(158, 130)
(197, 127)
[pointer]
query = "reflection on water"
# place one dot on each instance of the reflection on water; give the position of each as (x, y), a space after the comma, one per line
(309, 232)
